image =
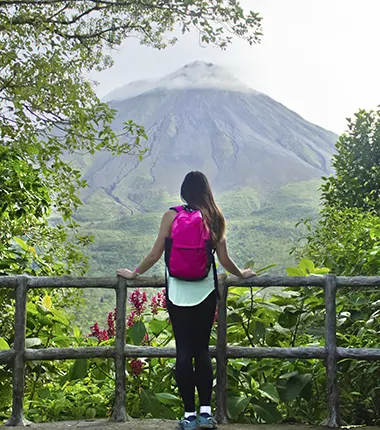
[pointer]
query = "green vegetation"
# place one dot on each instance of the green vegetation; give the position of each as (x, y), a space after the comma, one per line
(259, 391)
(357, 180)
(264, 230)
(49, 109)
(346, 238)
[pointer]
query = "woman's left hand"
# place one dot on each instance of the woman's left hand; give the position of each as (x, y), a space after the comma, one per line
(126, 273)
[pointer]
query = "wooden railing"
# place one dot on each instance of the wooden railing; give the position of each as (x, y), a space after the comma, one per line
(18, 355)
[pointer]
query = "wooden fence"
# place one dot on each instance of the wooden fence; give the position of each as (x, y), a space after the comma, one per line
(18, 355)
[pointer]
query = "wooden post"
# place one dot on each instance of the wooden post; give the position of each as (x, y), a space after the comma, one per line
(18, 374)
(119, 414)
(221, 356)
(333, 419)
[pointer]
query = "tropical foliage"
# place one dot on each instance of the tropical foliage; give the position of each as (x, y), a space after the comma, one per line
(259, 391)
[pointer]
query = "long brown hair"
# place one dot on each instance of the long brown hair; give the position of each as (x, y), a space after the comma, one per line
(197, 193)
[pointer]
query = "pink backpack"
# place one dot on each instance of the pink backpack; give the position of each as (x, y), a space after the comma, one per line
(188, 250)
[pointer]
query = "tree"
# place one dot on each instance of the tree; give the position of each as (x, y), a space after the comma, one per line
(346, 238)
(49, 109)
(356, 183)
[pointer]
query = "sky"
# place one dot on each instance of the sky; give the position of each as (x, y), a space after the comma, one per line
(319, 58)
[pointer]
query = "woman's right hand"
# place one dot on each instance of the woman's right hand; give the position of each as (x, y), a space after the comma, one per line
(248, 273)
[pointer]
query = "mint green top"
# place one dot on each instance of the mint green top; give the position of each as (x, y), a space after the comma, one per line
(185, 293)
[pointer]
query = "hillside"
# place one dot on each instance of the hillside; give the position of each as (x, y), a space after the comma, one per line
(202, 118)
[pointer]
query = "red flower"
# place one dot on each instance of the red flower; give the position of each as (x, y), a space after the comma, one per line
(137, 367)
(111, 332)
(146, 340)
(101, 335)
(161, 296)
(131, 319)
(94, 330)
(154, 305)
(138, 300)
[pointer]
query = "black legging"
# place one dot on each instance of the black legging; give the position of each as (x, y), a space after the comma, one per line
(192, 329)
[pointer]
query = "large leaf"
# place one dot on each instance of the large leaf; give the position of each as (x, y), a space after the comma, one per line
(158, 326)
(306, 265)
(31, 308)
(168, 399)
(45, 321)
(288, 319)
(295, 271)
(78, 370)
(294, 387)
(267, 412)
(137, 332)
(3, 344)
(270, 391)
(59, 316)
(237, 405)
(151, 405)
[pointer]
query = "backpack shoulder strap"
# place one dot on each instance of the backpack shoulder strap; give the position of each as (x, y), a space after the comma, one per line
(178, 209)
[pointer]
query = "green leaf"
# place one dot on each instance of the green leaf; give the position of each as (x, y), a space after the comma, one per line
(289, 375)
(269, 390)
(31, 308)
(288, 319)
(137, 332)
(32, 341)
(237, 405)
(59, 316)
(90, 413)
(264, 269)
(47, 303)
(157, 326)
(294, 387)
(321, 270)
(250, 264)
(168, 399)
(45, 321)
(77, 332)
(306, 266)
(42, 310)
(151, 405)
(3, 344)
(267, 412)
(78, 370)
(22, 244)
(295, 271)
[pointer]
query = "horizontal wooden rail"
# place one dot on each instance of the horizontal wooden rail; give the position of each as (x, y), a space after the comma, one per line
(18, 354)
(49, 354)
(159, 282)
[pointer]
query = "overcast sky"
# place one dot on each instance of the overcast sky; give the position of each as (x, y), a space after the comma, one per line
(317, 57)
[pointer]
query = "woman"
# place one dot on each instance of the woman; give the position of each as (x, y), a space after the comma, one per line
(191, 305)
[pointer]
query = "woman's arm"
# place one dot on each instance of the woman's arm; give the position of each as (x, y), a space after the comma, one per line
(226, 261)
(157, 250)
